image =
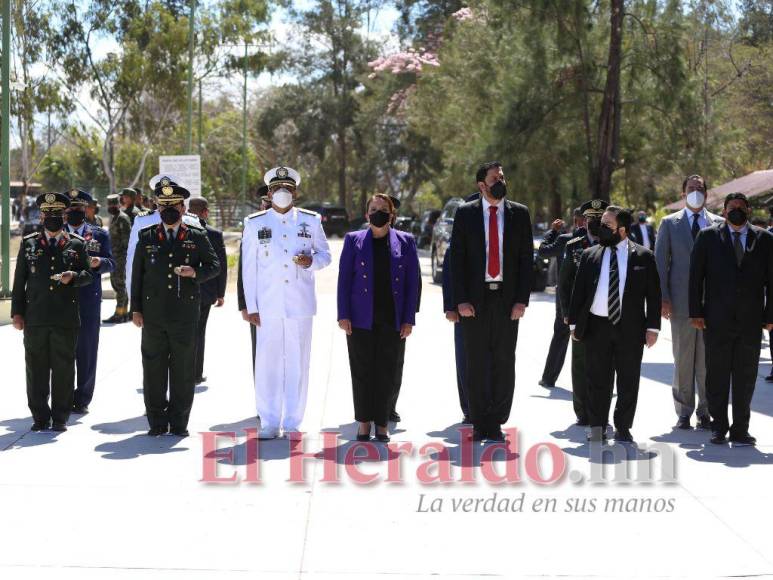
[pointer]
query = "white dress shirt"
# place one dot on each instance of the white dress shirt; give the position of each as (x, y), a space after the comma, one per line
(703, 221)
(600, 306)
(500, 205)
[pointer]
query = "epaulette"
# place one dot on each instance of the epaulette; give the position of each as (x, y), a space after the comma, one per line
(32, 235)
(76, 236)
(148, 227)
(574, 240)
(257, 213)
(145, 212)
(307, 211)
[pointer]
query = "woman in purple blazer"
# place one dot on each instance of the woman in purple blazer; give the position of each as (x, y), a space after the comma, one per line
(378, 287)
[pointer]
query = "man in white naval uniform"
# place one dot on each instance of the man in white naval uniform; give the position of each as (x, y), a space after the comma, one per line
(150, 218)
(281, 248)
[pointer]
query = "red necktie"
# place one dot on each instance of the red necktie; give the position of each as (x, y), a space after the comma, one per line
(493, 242)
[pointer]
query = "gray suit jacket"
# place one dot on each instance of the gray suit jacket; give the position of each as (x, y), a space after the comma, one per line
(673, 247)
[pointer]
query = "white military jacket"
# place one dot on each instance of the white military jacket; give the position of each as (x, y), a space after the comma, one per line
(142, 221)
(274, 286)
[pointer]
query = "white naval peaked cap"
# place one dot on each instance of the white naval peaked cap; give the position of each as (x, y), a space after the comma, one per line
(156, 178)
(282, 176)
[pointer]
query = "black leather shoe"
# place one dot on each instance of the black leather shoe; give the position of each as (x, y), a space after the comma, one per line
(394, 416)
(382, 437)
(39, 426)
(718, 438)
(476, 435)
(496, 435)
(363, 436)
(597, 434)
(80, 409)
(114, 319)
(582, 422)
(683, 423)
(769, 378)
(744, 440)
(466, 420)
(704, 423)
(59, 427)
(200, 380)
(546, 384)
(623, 436)
(179, 432)
(157, 431)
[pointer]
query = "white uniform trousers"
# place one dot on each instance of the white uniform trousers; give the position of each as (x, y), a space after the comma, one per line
(282, 355)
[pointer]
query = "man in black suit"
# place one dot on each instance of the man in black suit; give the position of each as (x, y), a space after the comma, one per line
(212, 291)
(492, 264)
(731, 299)
(553, 246)
(643, 233)
(615, 311)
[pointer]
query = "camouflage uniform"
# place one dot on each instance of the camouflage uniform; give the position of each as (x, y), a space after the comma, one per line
(120, 227)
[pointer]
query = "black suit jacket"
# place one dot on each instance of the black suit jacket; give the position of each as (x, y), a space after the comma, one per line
(641, 295)
(214, 288)
(730, 298)
(468, 260)
(637, 236)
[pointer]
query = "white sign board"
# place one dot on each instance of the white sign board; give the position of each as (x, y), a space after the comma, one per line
(186, 168)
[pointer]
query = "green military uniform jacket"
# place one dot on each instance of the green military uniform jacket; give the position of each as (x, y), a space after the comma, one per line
(39, 299)
(120, 228)
(567, 274)
(156, 291)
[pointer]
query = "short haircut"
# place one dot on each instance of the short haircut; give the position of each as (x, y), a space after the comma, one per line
(484, 169)
(197, 204)
(731, 196)
(696, 177)
(577, 212)
(623, 216)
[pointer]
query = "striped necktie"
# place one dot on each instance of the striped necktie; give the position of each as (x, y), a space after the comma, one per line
(613, 298)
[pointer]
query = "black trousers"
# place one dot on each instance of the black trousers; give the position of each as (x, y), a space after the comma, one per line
(490, 338)
(579, 381)
(731, 363)
(373, 358)
(49, 354)
(201, 337)
(557, 351)
(608, 353)
(167, 364)
(398, 375)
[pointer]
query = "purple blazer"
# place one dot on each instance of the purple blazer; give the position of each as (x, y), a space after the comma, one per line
(355, 278)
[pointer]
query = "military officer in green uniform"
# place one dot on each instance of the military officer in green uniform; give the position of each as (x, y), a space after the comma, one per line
(585, 237)
(127, 199)
(170, 261)
(51, 266)
(120, 228)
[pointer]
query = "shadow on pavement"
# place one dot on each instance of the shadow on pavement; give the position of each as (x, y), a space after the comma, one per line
(123, 427)
(477, 452)
(139, 445)
(731, 457)
(556, 394)
(19, 435)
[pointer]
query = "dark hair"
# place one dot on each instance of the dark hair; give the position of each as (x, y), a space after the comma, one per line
(624, 217)
(731, 196)
(198, 204)
(691, 177)
(389, 202)
(577, 212)
(484, 169)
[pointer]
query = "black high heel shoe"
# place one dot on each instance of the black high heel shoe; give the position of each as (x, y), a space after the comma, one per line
(382, 437)
(363, 436)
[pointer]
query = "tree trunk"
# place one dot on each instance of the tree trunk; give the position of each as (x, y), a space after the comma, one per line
(343, 197)
(609, 120)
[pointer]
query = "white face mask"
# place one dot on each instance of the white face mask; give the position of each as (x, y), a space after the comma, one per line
(282, 198)
(696, 199)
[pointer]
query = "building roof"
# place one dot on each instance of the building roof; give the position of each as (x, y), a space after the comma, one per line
(758, 184)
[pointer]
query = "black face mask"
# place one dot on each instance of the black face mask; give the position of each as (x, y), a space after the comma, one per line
(642, 219)
(170, 215)
(75, 217)
(737, 216)
(580, 232)
(593, 227)
(608, 237)
(113, 210)
(498, 190)
(379, 218)
(53, 223)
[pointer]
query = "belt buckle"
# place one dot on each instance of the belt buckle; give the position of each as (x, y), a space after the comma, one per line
(493, 286)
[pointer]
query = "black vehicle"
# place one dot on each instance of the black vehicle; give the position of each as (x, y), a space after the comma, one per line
(335, 220)
(404, 223)
(441, 238)
(423, 233)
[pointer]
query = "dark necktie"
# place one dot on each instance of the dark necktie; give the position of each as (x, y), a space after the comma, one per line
(613, 298)
(738, 247)
(170, 236)
(493, 242)
(695, 226)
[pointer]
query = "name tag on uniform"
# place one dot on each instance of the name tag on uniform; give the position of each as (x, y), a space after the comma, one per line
(189, 245)
(264, 235)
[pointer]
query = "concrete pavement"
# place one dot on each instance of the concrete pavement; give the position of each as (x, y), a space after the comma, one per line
(104, 500)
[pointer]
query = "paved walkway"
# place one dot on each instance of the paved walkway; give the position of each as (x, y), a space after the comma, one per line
(105, 501)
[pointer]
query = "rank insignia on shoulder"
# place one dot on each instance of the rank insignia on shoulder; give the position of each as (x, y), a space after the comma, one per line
(32, 235)
(257, 213)
(307, 211)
